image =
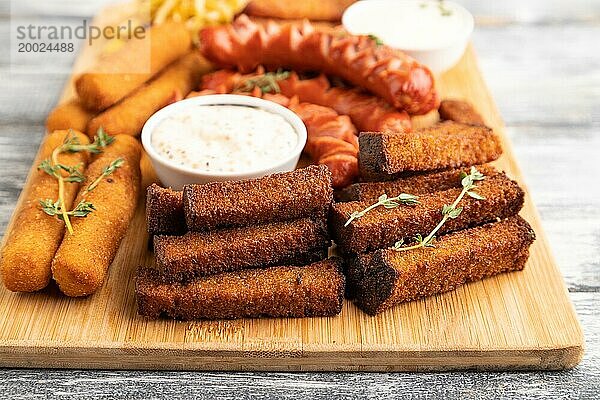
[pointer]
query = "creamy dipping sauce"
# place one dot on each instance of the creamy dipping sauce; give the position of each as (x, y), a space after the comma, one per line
(224, 138)
(410, 25)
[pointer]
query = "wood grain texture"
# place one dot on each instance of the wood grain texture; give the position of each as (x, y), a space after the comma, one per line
(558, 119)
(485, 325)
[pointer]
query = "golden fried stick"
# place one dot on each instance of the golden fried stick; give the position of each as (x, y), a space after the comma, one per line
(309, 291)
(381, 227)
(84, 256)
(35, 236)
(317, 10)
(175, 82)
(471, 255)
(69, 115)
(460, 111)
(445, 145)
(111, 80)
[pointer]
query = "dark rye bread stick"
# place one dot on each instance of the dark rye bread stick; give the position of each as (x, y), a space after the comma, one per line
(381, 227)
(460, 111)
(299, 242)
(305, 192)
(445, 145)
(397, 276)
(416, 184)
(164, 211)
(308, 291)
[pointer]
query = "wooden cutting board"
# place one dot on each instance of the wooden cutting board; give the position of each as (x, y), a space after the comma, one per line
(521, 320)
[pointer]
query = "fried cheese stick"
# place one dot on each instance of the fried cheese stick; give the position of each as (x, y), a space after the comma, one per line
(299, 242)
(173, 83)
(397, 276)
(69, 115)
(381, 227)
(445, 145)
(308, 291)
(35, 236)
(111, 80)
(305, 192)
(314, 10)
(82, 260)
(417, 184)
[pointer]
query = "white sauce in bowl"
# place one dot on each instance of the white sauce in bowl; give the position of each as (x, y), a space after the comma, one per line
(410, 25)
(224, 138)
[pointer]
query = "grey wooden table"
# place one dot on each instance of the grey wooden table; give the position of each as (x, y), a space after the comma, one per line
(542, 62)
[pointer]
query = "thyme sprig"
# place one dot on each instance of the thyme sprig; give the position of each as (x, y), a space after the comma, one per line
(451, 211)
(267, 83)
(54, 168)
(106, 171)
(377, 40)
(386, 202)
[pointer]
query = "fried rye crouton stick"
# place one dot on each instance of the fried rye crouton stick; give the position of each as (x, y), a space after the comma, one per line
(162, 45)
(397, 276)
(445, 145)
(307, 291)
(173, 83)
(82, 260)
(35, 236)
(381, 227)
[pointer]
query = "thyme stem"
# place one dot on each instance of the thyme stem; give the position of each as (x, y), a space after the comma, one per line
(387, 202)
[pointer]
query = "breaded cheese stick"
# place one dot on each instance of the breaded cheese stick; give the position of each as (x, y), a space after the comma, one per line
(111, 80)
(445, 145)
(35, 236)
(381, 227)
(174, 82)
(69, 115)
(194, 254)
(308, 291)
(164, 211)
(305, 192)
(83, 258)
(317, 10)
(417, 184)
(397, 276)
(460, 111)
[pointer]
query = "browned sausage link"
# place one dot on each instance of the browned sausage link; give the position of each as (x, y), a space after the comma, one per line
(386, 72)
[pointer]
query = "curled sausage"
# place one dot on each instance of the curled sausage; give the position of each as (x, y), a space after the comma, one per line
(388, 73)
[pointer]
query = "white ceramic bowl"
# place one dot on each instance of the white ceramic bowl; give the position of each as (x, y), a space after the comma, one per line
(175, 176)
(418, 27)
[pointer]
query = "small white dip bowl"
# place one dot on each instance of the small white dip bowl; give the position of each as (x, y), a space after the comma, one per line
(176, 175)
(434, 33)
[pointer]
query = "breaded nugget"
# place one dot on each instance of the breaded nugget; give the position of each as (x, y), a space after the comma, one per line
(444, 145)
(460, 111)
(305, 192)
(164, 211)
(120, 73)
(174, 82)
(381, 227)
(83, 258)
(32, 242)
(416, 184)
(310, 291)
(397, 276)
(69, 115)
(194, 254)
